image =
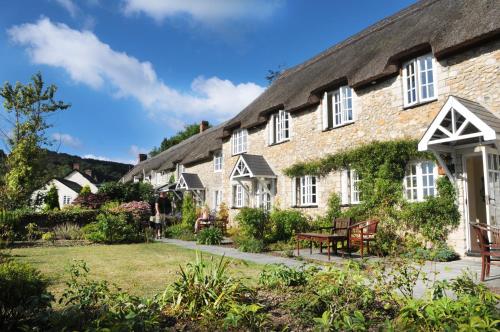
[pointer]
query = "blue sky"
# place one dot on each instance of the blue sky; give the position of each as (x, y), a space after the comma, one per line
(136, 71)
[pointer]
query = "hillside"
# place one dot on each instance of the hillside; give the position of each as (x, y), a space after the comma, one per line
(60, 164)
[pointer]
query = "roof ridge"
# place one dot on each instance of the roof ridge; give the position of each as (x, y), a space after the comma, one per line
(377, 26)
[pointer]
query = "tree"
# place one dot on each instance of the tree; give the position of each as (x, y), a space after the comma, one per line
(85, 190)
(182, 135)
(27, 107)
(51, 199)
(188, 210)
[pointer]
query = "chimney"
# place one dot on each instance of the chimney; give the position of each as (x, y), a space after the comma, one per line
(88, 172)
(203, 126)
(142, 157)
(76, 166)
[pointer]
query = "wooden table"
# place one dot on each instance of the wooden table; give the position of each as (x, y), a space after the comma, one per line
(318, 237)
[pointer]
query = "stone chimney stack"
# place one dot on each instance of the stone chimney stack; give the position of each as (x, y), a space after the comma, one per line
(88, 172)
(203, 126)
(76, 166)
(142, 157)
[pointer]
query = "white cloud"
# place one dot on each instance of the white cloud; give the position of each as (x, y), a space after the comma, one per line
(67, 139)
(70, 7)
(90, 61)
(103, 158)
(135, 150)
(203, 10)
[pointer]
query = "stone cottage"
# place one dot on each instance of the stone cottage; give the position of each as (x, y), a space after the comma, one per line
(430, 72)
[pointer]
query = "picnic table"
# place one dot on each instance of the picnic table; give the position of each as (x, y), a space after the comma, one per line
(317, 237)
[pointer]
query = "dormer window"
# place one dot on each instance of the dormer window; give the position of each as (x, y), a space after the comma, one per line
(239, 141)
(279, 127)
(419, 77)
(337, 107)
(218, 161)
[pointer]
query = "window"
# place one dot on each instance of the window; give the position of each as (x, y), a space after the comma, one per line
(217, 199)
(136, 179)
(419, 80)
(239, 196)
(239, 141)
(306, 191)
(180, 170)
(264, 195)
(338, 108)
(350, 187)
(420, 180)
(279, 127)
(355, 191)
(66, 200)
(218, 161)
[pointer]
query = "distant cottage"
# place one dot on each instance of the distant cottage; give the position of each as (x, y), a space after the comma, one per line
(429, 72)
(68, 187)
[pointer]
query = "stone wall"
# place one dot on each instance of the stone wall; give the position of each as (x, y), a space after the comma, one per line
(211, 180)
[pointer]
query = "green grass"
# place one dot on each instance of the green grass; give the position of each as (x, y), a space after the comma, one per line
(140, 269)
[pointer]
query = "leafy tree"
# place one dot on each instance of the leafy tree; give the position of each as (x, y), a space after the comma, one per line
(85, 190)
(182, 135)
(51, 199)
(188, 210)
(27, 107)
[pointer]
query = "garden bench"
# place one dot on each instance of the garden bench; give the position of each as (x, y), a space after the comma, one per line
(489, 246)
(338, 233)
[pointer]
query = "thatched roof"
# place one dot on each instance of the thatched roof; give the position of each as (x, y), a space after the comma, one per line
(443, 26)
(194, 149)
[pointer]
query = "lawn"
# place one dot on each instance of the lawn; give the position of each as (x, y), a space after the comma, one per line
(140, 269)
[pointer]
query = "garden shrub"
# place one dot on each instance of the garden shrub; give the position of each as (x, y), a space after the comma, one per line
(140, 211)
(68, 231)
(248, 317)
(23, 297)
(250, 244)
(113, 228)
(188, 210)
(441, 253)
(85, 190)
(280, 275)
(285, 224)
(210, 236)
(49, 237)
(32, 231)
(128, 192)
(7, 227)
(252, 222)
(204, 290)
(90, 201)
(181, 232)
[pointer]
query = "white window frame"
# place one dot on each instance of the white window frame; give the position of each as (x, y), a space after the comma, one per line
(279, 127)
(420, 192)
(239, 196)
(308, 190)
(239, 141)
(217, 200)
(414, 82)
(218, 161)
(66, 200)
(354, 187)
(339, 107)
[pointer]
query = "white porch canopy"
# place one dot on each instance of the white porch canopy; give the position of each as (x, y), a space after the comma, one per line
(460, 122)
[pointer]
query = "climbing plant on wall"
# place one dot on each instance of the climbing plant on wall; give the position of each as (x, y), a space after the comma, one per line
(381, 167)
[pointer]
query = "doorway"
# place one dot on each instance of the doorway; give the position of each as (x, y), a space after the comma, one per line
(476, 198)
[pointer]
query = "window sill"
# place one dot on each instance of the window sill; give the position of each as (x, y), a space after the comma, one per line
(239, 153)
(218, 171)
(279, 143)
(237, 208)
(340, 126)
(305, 206)
(408, 107)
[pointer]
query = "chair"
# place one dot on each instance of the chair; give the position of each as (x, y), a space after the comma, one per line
(489, 246)
(361, 233)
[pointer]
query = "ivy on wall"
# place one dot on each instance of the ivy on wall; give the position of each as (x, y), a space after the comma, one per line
(381, 167)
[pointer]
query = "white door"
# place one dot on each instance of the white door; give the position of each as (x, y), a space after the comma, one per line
(491, 160)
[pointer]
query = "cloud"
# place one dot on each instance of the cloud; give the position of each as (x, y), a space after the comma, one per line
(67, 139)
(203, 10)
(103, 158)
(70, 7)
(89, 61)
(135, 150)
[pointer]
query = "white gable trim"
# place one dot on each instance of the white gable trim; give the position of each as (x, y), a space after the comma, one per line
(454, 106)
(241, 169)
(181, 184)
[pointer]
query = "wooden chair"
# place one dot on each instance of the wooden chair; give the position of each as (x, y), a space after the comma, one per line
(361, 233)
(339, 230)
(489, 246)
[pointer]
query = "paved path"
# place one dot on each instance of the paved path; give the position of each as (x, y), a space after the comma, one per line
(446, 270)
